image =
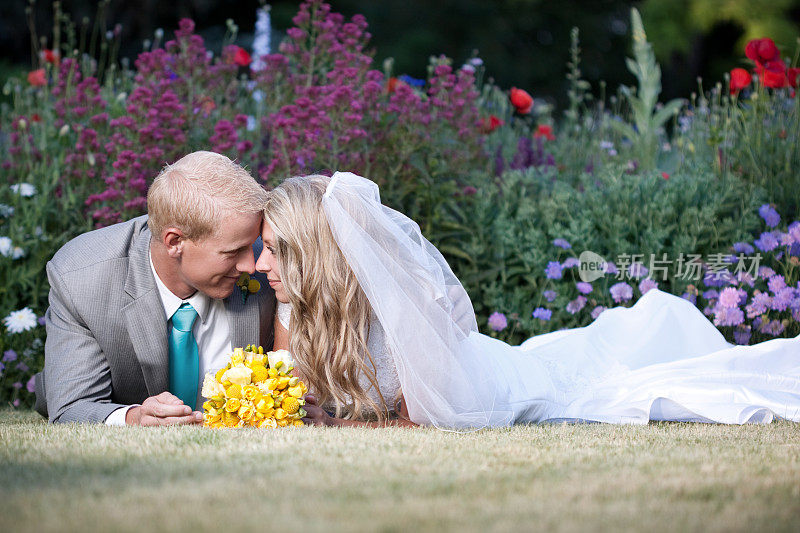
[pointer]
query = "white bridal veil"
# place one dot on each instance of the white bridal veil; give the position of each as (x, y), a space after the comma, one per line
(425, 312)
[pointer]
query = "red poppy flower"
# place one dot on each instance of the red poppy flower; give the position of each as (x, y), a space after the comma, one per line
(793, 76)
(51, 56)
(665, 175)
(521, 100)
(762, 50)
(36, 118)
(773, 74)
(488, 125)
(37, 78)
(391, 84)
(544, 130)
(241, 57)
(740, 79)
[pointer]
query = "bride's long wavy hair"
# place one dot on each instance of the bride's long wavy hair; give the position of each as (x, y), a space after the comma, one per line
(330, 315)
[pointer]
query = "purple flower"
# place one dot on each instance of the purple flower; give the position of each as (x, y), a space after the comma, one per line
(22, 367)
(2, 367)
(761, 302)
(16, 402)
(9, 355)
(584, 287)
(794, 231)
(770, 216)
(542, 314)
(17, 385)
(728, 316)
(550, 295)
(690, 297)
(31, 385)
(611, 268)
(729, 297)
(570, 262)
(561, 243)
(783, 299)
(773, 327)
(637, 270)
(776, 283)
(765, 272)
(596, 311)
(498, 321)
(621, 292)
(710, 294)
(576, 305)
(553, 270)
(41, 320)
(720, 278)
(646, 284)
(742, 336)
(743, 248)
(766, 242)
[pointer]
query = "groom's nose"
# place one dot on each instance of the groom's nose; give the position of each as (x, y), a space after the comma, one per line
(247, 263)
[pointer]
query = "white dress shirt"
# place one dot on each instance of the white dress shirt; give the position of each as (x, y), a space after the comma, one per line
(211, 330)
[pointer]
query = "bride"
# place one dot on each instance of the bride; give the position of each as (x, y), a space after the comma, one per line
(383, 333)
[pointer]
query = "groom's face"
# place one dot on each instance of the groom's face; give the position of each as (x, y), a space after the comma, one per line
(213, 264)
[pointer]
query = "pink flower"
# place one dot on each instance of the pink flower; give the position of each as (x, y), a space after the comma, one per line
(37, 78)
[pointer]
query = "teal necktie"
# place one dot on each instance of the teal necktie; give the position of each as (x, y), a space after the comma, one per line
(184, 363)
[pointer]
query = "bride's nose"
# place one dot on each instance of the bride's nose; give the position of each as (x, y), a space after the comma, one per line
(262, 265)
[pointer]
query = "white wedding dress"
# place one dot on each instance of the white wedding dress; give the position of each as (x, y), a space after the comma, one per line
(660, 359)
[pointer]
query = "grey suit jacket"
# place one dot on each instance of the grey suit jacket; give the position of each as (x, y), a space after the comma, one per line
(106, 343)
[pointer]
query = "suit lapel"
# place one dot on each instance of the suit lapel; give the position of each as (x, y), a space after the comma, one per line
(144, 317)
(243, 319)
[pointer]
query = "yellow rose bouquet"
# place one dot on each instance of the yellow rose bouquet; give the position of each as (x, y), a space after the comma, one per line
(254, 389)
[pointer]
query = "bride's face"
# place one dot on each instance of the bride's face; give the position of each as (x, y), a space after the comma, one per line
(268, 264)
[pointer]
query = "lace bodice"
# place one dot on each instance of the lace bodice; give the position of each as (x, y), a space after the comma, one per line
(385, 371)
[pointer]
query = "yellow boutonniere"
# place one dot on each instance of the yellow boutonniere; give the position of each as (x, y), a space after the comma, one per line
(247, 286)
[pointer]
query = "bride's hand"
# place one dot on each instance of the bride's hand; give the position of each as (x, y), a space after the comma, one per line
(316, 415)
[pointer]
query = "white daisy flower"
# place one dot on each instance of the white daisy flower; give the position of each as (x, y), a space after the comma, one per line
(6, 210)
(17, 253)
(19, 321)
(24, 189)
(5, 246)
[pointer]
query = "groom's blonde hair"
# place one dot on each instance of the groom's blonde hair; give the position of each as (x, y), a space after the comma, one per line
(198, 191)
(331, 315)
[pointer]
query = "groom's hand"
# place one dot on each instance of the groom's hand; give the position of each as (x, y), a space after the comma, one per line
(163, 410)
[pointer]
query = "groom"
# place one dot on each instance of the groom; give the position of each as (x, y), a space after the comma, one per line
(140, 311)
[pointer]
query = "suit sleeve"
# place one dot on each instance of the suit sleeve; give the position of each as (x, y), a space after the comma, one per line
(76, 373)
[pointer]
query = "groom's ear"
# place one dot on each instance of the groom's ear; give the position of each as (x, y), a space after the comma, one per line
(173, 239)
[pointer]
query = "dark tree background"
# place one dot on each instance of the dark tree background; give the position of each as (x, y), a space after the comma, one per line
(524, 43)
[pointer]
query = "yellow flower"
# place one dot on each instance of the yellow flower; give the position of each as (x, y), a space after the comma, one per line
(246, 412)
(283, 382)
(211, 387)
(268, 423)
(296, 391)
(264, 404)
(232, 405)
(251, 393)
(283, 422)
(220, 373)
(290, 405)
(298, 423)
(280, 414)
(273, 373)
(260, 373)
(237, 358)
(230, 419)
(234, 391)
(239, 375)
(271, 383)
(253, 286)
(218, 401)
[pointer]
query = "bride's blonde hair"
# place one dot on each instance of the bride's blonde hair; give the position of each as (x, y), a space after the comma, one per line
(330, 313)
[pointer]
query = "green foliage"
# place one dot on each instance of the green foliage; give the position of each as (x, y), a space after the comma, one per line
(648, 115)
(507, 233)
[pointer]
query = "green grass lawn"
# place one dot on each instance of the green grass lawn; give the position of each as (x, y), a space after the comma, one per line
(550, 477)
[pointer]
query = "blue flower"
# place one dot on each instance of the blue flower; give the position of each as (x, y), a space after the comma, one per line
(561, 243)
(584, 287)
(766, 242)
(9, 355)
(542, 314)
(498, 321)
(597, 311)
(576, 305)
(550, 295)
(742, 336)
(414, 82)
(770, 216)
(743, 248)
(553, 270)
(690, 297)
(621, 292)
(570, 262)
